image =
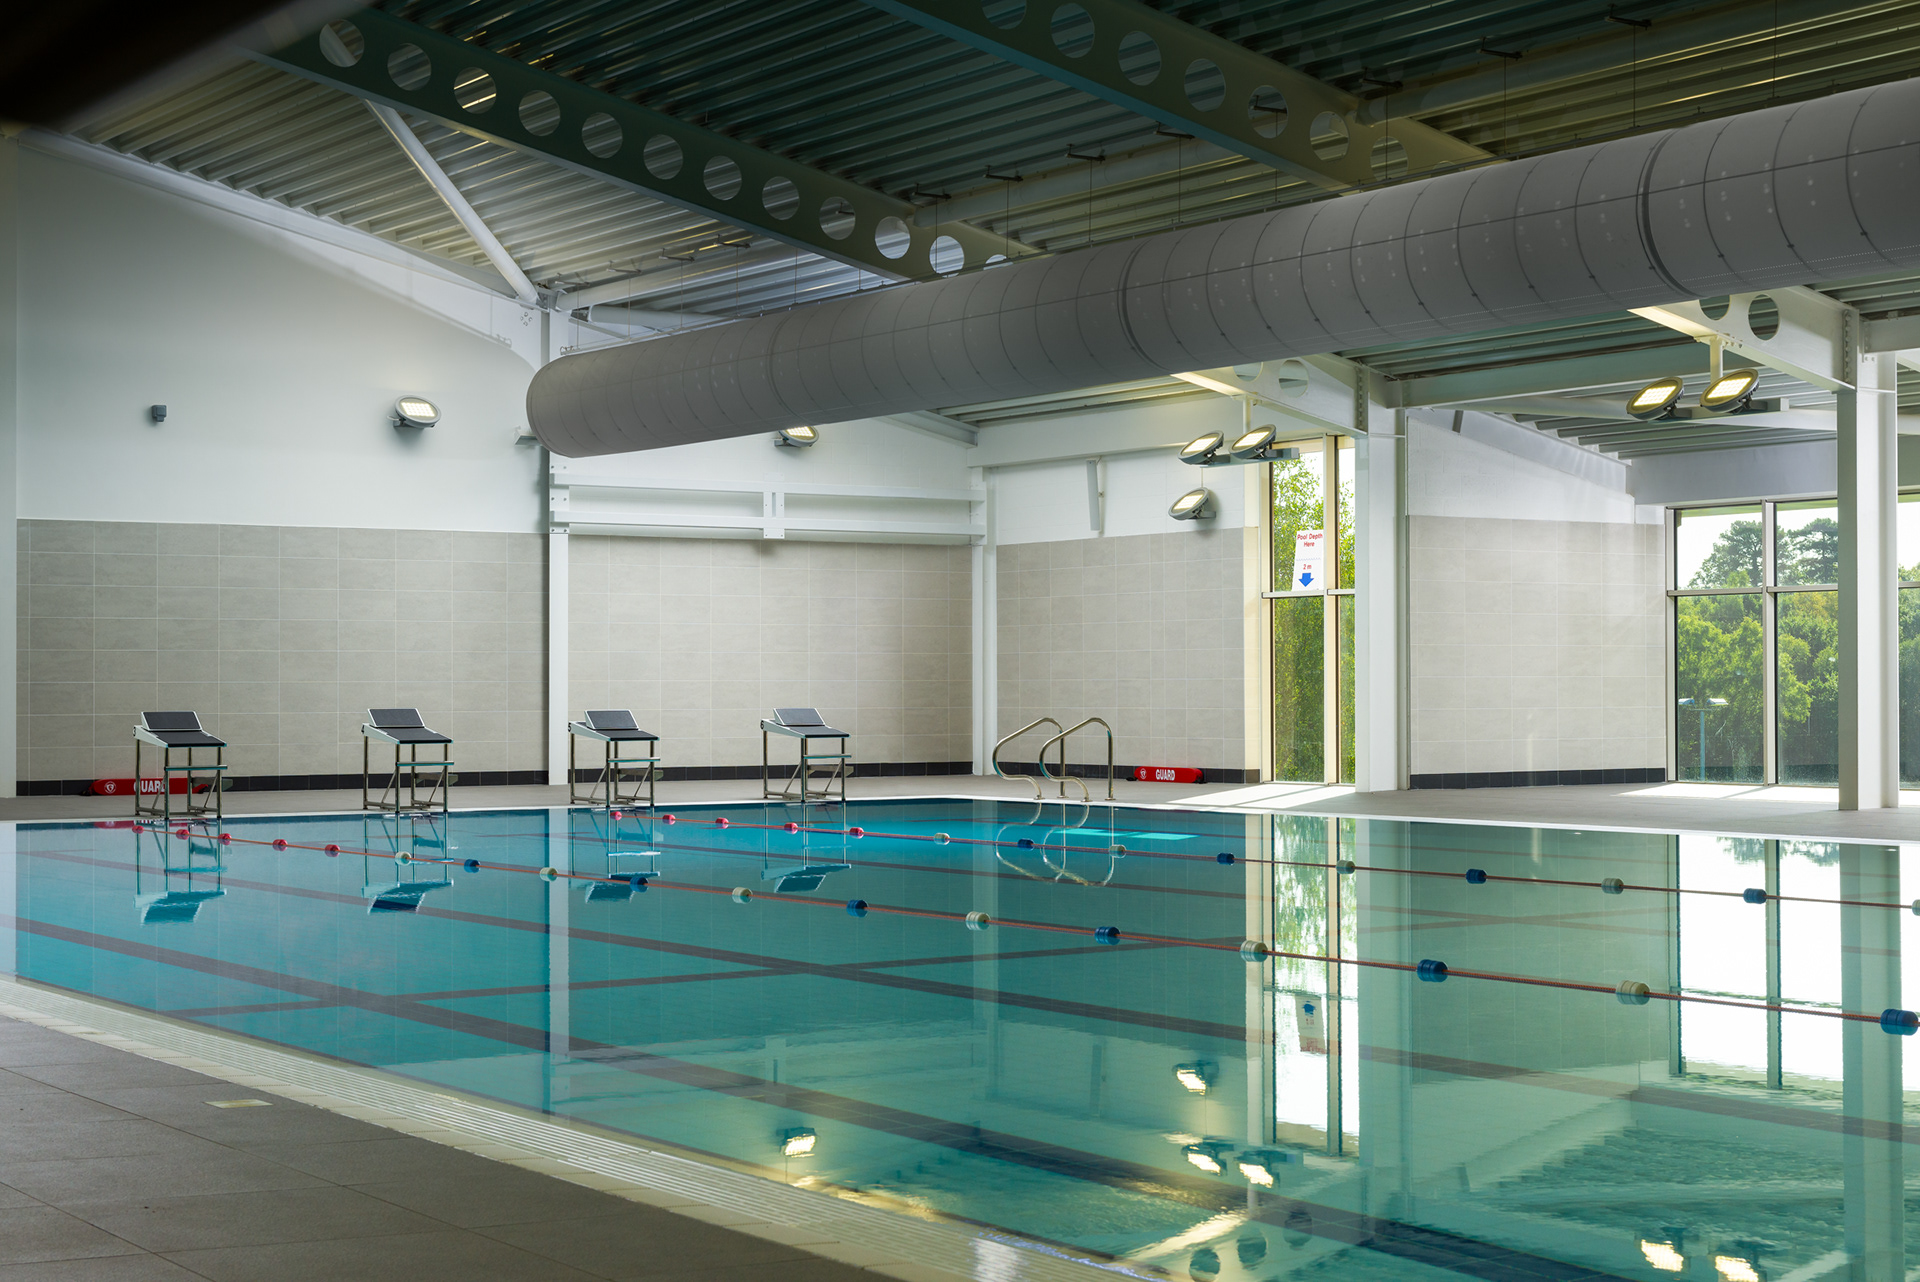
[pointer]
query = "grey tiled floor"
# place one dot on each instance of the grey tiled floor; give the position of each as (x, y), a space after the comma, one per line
(114, 1168)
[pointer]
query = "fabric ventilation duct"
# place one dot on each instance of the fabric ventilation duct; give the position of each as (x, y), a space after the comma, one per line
(1791, 195)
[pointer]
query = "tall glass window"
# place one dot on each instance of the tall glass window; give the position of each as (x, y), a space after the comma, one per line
(1756, 642)
(1313, 612)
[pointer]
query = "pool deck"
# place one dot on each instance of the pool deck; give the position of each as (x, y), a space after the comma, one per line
(118, 1167)
(1721, 808)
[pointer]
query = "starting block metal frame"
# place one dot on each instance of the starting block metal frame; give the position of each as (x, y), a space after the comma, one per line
(805, 725)
(403, 728)
(615, 729)
(168, 731)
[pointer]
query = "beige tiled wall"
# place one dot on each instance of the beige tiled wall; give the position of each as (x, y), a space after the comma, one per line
(281, 638)
(703, 637)
(1143, 630)
(1536, 645)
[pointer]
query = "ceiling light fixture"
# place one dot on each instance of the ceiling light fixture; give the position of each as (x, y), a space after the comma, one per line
(415, 411)
(797, 437)
(1256, 446)
(1730, 392)
(1194, 505)
(1655, 400)
(1206, 451)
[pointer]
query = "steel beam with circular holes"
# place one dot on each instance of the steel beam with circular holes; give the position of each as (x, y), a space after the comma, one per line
(385, 59)
(1137, 57)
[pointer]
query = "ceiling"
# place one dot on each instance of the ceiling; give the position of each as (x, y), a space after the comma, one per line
(847, 88)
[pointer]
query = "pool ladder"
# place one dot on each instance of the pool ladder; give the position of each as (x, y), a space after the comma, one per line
(1060, 741)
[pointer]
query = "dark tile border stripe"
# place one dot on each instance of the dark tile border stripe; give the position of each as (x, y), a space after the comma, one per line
(1537, 778)
(1208, 774)
(505, 778)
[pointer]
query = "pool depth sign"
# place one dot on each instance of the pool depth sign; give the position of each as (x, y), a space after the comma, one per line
(1308, 557)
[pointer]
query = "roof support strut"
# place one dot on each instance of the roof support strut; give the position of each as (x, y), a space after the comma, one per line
(1137, 57)
(388, 60)
(477, 228)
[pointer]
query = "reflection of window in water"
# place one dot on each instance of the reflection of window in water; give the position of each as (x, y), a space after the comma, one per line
(1723, 953)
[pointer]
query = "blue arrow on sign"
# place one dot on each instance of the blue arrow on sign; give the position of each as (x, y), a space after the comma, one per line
(1306, 579)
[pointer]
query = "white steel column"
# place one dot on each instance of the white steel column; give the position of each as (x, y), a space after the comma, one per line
(1380, 506)
(559, 702)
(986, 627)
(9, 454)
(1868, 421)
(559, 515)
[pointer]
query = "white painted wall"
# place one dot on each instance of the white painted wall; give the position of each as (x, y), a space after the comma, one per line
(1047, 502)
(279, 357)
(1494, 468)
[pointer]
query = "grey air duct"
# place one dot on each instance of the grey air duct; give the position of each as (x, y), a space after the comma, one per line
(1821, 190)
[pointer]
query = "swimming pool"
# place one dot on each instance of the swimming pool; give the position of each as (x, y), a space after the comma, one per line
(1216, 1044)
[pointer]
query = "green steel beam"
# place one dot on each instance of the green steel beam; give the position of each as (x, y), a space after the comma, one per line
(1575, 374)
(385, 59)
(1137, 57)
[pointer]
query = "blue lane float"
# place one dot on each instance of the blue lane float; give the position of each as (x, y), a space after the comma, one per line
(637, 881)
(472, 865)
(1025, 843)
(1612, 886)
(1225, 857)
(1476, 876)
(1107, 934)
(1754, 895)
(856, 908)
(1344, 865)
(1901, 1023)
(1431, 971)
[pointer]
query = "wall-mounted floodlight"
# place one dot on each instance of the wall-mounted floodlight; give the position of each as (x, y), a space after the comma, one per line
(1206, 451)
(1209, 1155)
(797, 1142)
(1730, 392)
(1195, 1077)
(1260, 1167)
(1257, 446)
(1654, 400)
(415, 411)
(796, 437)
(1194, 505)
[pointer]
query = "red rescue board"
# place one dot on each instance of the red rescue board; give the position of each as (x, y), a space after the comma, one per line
(1168, 774)
(148, 787)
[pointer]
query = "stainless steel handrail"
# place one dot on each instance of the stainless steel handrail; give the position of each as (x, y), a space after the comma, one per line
(1061, 739)
(994, 759)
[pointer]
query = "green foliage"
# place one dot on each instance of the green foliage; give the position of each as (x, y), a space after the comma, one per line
(1299, 626)
(1810, 554)
(1718, 655)
(1737, 558)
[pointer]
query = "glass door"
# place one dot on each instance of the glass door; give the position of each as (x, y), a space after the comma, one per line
(1313, 612)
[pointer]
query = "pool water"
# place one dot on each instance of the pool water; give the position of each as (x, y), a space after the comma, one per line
(1214, 1044)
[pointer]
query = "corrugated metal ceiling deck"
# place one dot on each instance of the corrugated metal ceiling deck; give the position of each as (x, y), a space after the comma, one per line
(855, 91)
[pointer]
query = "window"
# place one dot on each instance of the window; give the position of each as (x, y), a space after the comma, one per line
(1312, 622)
(1756, 642)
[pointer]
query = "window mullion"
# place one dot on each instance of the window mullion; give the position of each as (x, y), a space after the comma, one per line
(1329, 608)
(1770, 677)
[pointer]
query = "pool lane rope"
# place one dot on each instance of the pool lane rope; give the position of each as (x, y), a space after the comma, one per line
(1903, 1023)
(1473, 876)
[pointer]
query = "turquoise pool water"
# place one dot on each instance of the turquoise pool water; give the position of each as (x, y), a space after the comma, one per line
(816, 1006)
